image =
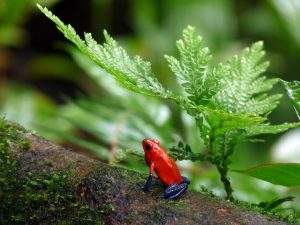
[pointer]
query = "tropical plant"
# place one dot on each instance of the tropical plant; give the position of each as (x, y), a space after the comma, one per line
(229, 101)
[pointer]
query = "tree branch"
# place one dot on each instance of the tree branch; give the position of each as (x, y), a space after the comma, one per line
(114, 197)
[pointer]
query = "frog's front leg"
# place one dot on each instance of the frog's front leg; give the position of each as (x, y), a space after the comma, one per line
(176, 190)
(146, 187)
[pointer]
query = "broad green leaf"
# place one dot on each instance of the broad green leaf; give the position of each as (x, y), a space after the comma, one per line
(285, 174)
(293, 90)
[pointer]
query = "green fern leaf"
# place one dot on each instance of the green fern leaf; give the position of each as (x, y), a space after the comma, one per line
(267, 128)
(193, 65)
(242, 88)
(132, 73)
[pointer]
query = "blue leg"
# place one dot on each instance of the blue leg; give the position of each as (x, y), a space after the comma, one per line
(146, 186)
(174, 191)
(185, 180)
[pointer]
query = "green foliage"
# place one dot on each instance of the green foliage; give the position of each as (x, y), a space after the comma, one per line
(286, 174)
(32, 107)
(293, 91)
(132, 73)
(184, 152)
(275, 203)
(112, 125)
(271, 208)
(229, 102)
(234, 87)
(192, 68)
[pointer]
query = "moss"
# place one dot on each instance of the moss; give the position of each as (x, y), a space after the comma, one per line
(43, 198)
(13, 135)
(278, 213)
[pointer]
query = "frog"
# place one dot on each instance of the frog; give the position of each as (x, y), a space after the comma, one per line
(165, 168)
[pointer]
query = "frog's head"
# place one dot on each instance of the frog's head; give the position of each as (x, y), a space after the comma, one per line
(148, 144)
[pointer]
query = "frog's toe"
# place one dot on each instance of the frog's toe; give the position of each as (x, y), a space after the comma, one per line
(143, 188)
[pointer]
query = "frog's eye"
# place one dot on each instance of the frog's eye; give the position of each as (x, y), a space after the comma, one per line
(148, 146)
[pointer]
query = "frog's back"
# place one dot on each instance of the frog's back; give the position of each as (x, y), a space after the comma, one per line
(167, 170)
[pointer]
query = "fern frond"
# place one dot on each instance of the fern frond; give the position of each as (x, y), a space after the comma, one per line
(262, 104)
(242, 87)
(192, 67)
(132, 73)
(267, 128)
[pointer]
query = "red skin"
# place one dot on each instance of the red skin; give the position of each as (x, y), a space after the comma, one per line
(159, 161)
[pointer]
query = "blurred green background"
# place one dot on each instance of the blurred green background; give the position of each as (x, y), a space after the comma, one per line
(48, 86)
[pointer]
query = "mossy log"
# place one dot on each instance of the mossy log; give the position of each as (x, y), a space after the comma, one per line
(113, 195)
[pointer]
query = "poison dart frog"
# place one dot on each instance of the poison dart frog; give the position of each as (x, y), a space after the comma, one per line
(165, 168)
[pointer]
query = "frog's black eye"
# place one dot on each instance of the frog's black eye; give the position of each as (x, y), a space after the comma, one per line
(148, 146)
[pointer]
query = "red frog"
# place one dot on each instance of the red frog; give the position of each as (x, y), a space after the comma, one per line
(165, 168)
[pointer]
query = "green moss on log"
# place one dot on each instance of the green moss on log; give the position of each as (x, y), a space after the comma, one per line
(36, 198)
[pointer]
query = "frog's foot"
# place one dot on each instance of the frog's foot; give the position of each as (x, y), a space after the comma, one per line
(146, 187)
(143, 188)
(174, 191)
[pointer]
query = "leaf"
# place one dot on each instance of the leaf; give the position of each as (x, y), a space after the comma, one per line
(228, 100)
(225, 121)
(184, 152)
(223, 127)
(269, 205)
(242, 88)
(267, 128)
(293, 90)
(285, 174)
(132, 73)
(192, 67)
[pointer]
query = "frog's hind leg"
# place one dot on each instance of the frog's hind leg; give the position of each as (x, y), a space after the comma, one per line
(174, 191)
(185, 180)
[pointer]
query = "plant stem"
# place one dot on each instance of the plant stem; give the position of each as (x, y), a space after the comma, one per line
(222, 166)
(223, 169)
